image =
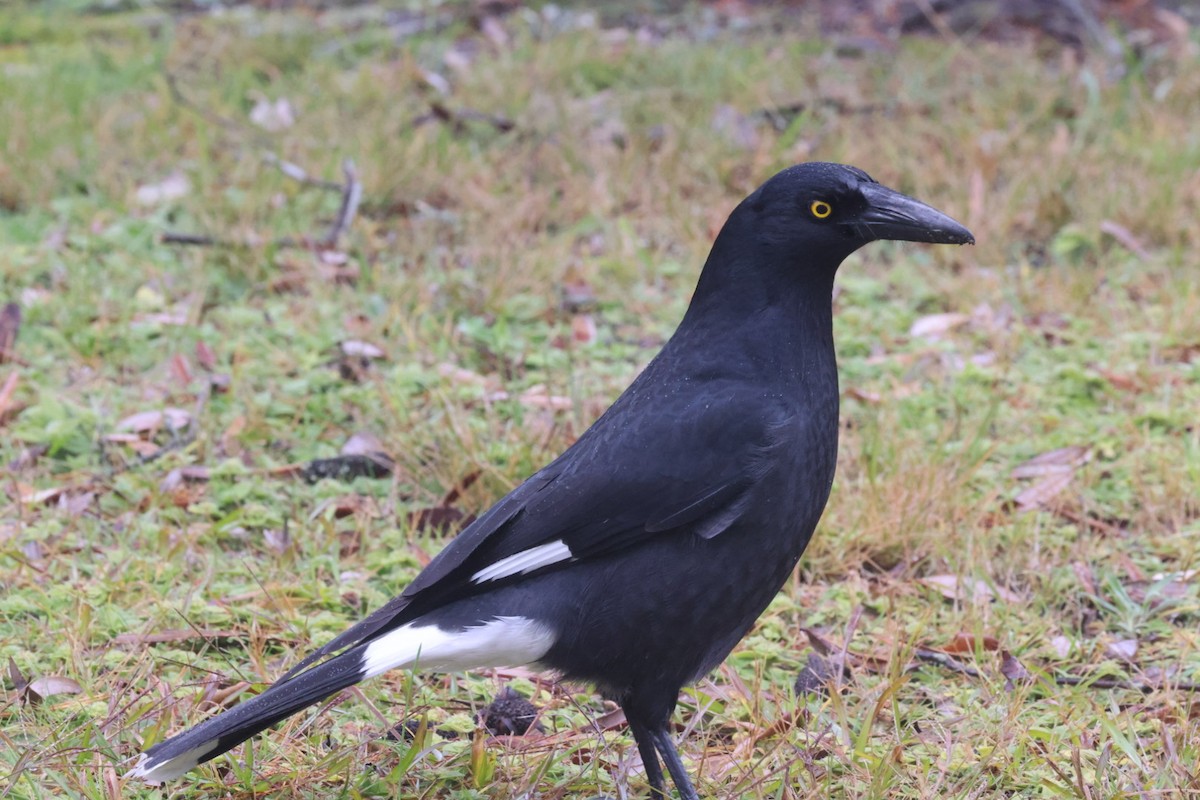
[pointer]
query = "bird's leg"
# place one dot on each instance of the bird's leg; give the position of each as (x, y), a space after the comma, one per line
(654, 773)
(662, 742)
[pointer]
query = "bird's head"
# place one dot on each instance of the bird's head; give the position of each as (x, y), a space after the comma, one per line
(833, 209)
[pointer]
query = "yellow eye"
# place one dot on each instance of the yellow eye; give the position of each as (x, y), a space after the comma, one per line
(820, 209)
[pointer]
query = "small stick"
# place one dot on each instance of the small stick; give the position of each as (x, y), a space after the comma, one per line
(351, 196)
(945, 660)
(299, 174)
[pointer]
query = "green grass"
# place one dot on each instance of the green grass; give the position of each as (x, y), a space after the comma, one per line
(616, 176)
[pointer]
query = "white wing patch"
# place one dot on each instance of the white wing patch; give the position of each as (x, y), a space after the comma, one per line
(500, 642)
(525, 561)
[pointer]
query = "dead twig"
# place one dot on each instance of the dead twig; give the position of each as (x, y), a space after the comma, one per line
(197, 240)
(299, 174)
(351, 196)
(458, 118)
(945, 660)
(351, 191)
(1145, 687)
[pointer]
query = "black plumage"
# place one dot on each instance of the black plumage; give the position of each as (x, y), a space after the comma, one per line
(640, 557)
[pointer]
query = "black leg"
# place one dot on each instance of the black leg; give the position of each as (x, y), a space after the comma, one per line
(654, 773)
(662, 741)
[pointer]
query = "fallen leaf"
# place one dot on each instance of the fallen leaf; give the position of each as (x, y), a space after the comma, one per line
(7, 407)
(461, 375)
(39, 689)
(277, 541)
(1123, 382)
(583, 329)
(172, 187)
(865, 396)
(181, 370)
(956, 587)
(361, 444)
(273, 115)
(1125, 237)
(10, 326)
(206, 357)
(1062, 646)
(37, 497)
(935, 326)
(145, 421)
(539, 397)
(1086, 577)
(75, 503)
(16, 676)
(1014, 671)
(1041, 493)
(1053, 462)
(968, 643)
(355, 348)
(1123, 650)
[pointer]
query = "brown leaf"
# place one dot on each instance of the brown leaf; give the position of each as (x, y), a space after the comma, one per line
(10, 326)
(205, 357)
(75, 503)
(606, 721)
(1061, 646)
(361, 444)
(463, 376)
(37, 497)
(171, 187)
(146, 421)
(39, 689)
(7, 407)
(181, 370)
(820, 643)
(539, 397)
(355, 348)
(1085, 576)
(1039, 494)
(864, 396)
(346, 505)
(277, 541)
(1125, 237)
(1013, 670)
(957, 587)
(934, 326)
(968, 643)
(583, 329)
(1123, 650)
(1053, 462)
(1123, 382)
(15, 675)
(273, 115)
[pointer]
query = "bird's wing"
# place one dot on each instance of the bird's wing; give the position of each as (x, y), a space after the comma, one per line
(686, 465)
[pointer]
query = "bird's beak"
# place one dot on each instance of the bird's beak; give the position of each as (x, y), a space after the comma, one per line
(891, 215)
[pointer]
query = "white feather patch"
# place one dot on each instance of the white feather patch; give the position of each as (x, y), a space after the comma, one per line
(501, 642)
(153, 770)
(525, 561)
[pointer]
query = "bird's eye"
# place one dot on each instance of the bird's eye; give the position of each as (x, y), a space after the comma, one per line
(820, 209)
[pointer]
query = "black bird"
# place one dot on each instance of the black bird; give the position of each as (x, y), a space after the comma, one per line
(638, 558)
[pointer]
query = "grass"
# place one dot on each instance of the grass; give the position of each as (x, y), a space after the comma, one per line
(620, 168)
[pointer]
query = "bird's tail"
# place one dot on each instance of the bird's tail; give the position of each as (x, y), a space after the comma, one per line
(495, 641)
(209, 739)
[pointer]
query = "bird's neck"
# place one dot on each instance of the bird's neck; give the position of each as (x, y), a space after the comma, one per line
(775, 314)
